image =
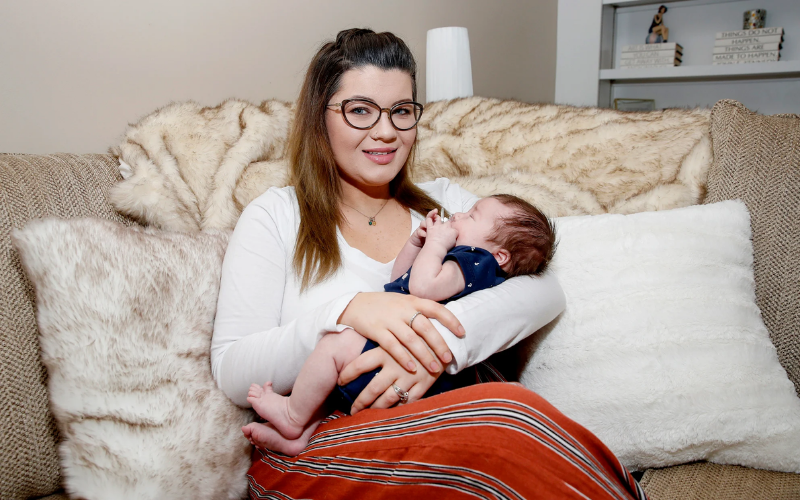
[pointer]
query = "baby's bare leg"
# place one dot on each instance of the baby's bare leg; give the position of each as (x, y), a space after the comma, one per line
(291, 414)
(265, 436)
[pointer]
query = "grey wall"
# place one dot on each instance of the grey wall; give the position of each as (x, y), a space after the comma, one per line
(74, 74)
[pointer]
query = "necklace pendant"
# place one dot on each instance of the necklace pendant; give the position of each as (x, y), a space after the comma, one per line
(372, 221)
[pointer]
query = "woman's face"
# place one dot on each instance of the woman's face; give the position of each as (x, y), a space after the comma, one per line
(370, 158)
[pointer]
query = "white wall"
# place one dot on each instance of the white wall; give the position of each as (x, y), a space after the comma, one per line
(73, 74)
(578, 54)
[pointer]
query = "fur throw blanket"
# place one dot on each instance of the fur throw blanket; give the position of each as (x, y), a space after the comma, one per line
(196, 168)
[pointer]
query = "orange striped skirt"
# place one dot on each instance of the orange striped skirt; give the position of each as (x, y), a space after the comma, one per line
(488, 441)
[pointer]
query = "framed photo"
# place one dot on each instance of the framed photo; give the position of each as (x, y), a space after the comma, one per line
(623, 104)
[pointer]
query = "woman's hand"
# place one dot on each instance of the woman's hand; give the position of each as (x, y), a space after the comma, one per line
(379, 393)
(384, 318)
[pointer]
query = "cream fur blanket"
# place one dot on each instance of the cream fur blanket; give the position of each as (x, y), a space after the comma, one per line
(196, 168)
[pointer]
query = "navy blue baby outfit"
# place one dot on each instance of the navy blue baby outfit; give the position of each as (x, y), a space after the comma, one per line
(480, 271)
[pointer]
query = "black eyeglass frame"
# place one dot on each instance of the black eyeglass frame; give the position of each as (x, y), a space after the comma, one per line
(344, 102)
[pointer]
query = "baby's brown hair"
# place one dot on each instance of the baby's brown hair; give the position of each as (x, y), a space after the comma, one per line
(529, 237)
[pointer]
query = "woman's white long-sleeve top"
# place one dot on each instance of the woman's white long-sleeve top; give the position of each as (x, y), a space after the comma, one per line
(265, 328)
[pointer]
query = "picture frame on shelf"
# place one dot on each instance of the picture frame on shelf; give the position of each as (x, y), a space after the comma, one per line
(626, 104)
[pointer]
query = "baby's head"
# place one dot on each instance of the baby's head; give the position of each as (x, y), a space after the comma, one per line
(519, 236)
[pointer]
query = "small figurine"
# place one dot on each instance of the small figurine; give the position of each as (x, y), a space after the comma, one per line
(658, 33)
(754, 19)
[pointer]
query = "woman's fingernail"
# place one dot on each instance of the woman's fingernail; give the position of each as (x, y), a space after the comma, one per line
(461, 330)
(447, 357)
(434, 366)
(411, 366)
(353, 411)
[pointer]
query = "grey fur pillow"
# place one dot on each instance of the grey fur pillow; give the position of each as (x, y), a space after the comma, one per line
(125, 318)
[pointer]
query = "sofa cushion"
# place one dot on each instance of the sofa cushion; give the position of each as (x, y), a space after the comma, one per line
(757, 159)
(125, 318)
(33, 186)
(661, 350)
(708, 481)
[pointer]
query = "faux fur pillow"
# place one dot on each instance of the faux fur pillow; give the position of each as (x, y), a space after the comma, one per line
(661, 351)
(125, 317)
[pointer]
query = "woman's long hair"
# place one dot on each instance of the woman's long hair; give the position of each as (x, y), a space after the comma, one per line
(313, 169)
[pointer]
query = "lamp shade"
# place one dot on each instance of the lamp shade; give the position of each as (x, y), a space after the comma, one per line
(448, 68)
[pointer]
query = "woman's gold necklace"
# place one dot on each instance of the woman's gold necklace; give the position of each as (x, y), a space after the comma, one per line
(372, 221)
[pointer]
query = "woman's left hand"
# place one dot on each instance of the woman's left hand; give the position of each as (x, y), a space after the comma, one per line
(386, 319)
(379, 393)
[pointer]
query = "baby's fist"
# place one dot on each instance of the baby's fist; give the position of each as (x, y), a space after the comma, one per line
(443, 233)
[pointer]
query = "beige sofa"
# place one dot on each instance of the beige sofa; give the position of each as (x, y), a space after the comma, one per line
(68, 185)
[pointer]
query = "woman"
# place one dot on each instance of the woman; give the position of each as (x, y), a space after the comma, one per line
(305, 261)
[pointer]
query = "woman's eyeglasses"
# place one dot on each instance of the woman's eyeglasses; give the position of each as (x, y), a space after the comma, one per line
(363, 114)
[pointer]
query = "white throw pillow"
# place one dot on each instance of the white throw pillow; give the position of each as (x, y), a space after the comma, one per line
(125, 318)
(661, 351)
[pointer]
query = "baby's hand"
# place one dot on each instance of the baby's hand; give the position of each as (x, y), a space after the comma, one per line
(442, 233)
(418, 237)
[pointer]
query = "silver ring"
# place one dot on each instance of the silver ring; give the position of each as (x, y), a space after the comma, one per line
(403, 394)
(412, 319)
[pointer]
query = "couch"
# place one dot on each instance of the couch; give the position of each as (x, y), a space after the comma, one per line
(730, 154)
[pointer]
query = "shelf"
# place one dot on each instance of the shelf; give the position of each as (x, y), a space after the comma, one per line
(634, 3)
(777, 69)
(583, 78)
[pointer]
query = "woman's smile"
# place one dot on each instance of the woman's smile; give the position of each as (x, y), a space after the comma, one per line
(381, 156)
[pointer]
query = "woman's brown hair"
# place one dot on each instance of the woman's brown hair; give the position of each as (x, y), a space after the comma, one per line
(313, 169)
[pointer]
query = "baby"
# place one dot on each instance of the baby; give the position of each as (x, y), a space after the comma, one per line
(500, 237)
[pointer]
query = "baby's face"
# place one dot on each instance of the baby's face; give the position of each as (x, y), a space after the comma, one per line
(476, 226)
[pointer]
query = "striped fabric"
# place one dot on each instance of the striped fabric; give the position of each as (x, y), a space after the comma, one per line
(488, 441)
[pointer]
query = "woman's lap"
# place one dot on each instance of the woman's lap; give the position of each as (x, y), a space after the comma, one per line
(438, 448)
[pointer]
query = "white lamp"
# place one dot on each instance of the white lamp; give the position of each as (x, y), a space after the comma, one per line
(448, 68)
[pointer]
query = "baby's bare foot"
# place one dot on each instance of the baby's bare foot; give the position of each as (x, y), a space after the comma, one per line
(256, 390)
(274, 408)
(266, 437)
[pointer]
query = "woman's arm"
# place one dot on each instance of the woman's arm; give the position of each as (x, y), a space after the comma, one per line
(249, 343)
(499, 317)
